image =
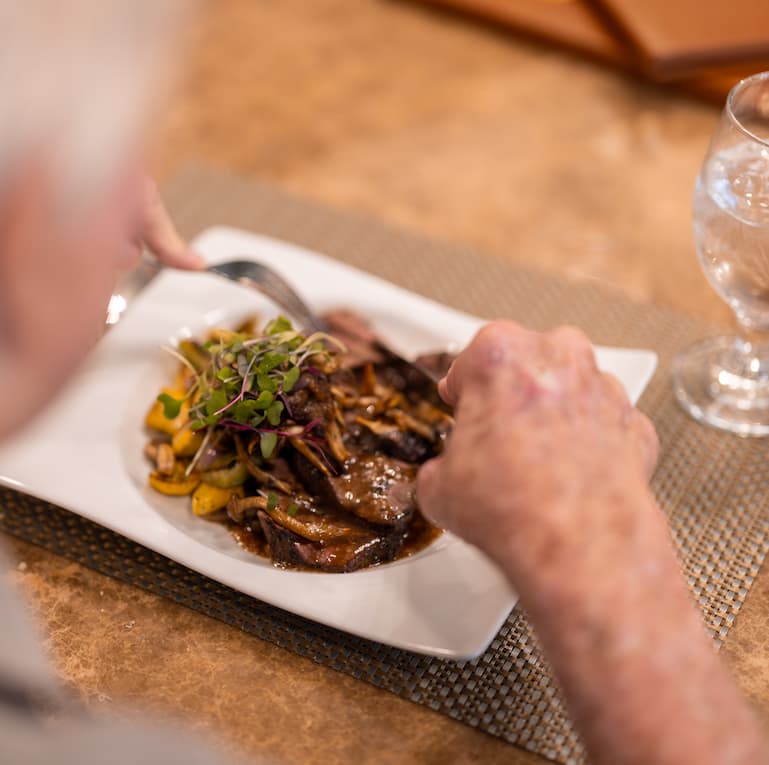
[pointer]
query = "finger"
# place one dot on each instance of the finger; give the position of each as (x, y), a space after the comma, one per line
(570, 346)
(429, 484)
(447, 387)
(568, 354)
(495, 347)
(637, 423)
(648, 440)
(160, 235)
(615, 391)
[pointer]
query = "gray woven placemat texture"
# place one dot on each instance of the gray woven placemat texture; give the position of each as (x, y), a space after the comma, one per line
(712, 486)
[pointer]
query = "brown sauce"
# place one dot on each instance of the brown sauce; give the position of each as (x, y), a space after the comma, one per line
(419, 535)
(250, 540)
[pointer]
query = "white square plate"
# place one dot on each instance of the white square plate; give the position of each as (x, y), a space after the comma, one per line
(85, 452)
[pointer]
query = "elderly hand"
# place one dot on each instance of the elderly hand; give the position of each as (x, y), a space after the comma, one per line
(546, 471)
(542, 437)
(57, 271)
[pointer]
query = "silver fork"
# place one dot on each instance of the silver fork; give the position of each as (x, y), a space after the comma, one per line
(246, 272)
(270, 283)
(251, 274)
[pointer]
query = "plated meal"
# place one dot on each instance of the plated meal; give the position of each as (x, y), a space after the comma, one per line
(306, 447)
(447, 600)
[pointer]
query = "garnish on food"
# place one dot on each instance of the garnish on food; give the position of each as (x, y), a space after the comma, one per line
(307, 450)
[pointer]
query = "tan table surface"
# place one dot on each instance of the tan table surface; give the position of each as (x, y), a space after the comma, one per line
(452, 130)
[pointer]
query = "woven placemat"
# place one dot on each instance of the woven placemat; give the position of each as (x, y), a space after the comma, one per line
(712, 486)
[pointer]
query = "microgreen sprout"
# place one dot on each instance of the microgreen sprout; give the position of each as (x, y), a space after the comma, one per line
(171, 406)
(248, 376)
(243, 384)
(240, 383)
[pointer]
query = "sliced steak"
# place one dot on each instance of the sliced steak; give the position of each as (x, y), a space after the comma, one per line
(407, 446)
(339, 556)
(354, 331)
(379, 489)
(402, 444)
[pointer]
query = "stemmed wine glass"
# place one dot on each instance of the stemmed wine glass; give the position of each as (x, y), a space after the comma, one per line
(724, 381)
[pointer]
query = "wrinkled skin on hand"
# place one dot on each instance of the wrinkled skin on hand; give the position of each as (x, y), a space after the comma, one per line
(541, 436)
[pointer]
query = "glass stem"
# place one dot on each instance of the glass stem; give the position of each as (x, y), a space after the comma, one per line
(750, 359)
(740, 375)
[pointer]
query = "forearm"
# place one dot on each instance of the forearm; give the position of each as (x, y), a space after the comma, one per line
(641, 677)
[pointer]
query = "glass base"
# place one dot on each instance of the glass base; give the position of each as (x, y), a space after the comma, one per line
(718, 384)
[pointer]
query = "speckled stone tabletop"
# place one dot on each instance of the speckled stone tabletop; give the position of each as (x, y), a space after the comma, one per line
(452, 130)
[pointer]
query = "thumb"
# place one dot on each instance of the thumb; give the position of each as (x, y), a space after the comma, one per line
(160, 235)
(429, 485)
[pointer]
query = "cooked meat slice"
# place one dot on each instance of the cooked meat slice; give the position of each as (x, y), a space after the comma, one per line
(407, 446)
(401, 444)
(310, 399)
(379, 489)
(340, 556)
(301, 516)
(415, 384)
(360, 340)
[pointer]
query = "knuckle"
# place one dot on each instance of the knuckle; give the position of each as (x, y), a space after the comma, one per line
(495, 333)
(571, 337)
(492, 345)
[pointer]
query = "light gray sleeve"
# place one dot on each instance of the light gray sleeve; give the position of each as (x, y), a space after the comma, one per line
(28, 740)
(39, 725)
(23, 667)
